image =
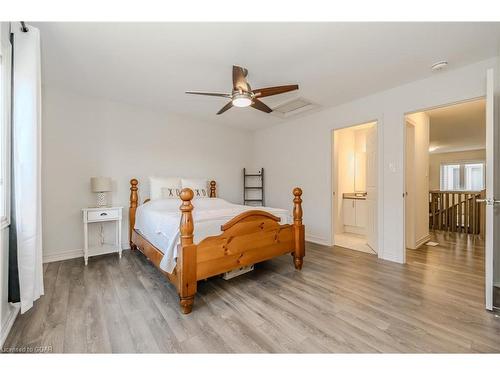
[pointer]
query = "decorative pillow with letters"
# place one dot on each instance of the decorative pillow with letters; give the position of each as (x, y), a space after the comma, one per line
(198, 185)
(170, 192)
(164, 187)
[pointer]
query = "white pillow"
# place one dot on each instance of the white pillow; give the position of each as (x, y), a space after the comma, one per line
(198, 185)
(170, 193)
(159, 187)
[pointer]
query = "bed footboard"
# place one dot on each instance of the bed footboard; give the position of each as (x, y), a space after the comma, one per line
(251, 237)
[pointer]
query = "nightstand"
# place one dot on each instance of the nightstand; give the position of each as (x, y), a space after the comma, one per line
(101, 215)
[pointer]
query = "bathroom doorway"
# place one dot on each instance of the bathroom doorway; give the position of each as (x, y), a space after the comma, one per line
(355, 187)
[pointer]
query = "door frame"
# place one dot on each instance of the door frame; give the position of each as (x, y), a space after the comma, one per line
(333, 181)
(404, 121)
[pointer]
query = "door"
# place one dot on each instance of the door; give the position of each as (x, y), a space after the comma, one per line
(410, 186)
(492, 226)
(371, 187)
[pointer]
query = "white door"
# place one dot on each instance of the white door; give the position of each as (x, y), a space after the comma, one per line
(492, 187)
(410, 186)
(371, 188)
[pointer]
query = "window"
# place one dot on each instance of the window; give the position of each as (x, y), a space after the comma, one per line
(468, 176)
(4, 129)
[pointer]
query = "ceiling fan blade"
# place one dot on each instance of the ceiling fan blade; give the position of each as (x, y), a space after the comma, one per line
(269, 91)
(225, 108)
(209, 94)
(239, 80)
(257, 104)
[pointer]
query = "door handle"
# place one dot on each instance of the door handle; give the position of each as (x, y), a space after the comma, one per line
(489, 201)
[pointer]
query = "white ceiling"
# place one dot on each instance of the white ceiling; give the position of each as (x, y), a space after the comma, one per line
(459, 127)
(152, 64)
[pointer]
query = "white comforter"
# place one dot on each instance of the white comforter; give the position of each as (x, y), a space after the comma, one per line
(158, 221)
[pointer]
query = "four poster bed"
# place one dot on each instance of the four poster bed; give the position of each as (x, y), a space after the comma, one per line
(251, 236)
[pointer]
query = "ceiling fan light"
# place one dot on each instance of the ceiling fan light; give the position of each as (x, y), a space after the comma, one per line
(241, 100)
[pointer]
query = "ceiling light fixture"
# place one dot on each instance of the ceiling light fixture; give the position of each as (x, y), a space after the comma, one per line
(242, 100)
(439, 65)
(243, 95)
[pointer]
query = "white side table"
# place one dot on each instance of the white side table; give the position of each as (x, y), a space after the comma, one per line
(100, 215)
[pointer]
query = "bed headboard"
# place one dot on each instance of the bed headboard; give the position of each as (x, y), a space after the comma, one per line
(134, 201)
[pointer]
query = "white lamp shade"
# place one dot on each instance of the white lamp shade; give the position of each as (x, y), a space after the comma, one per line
(100, 184)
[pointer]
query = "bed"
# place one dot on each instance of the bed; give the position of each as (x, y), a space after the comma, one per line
(227, 236)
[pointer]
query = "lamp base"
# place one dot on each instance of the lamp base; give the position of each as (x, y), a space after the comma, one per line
(101, 200)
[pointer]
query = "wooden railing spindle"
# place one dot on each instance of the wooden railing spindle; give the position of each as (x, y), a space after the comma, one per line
(455, 211)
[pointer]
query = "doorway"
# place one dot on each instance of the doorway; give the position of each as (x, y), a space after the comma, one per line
(355, 181)
(446, 168)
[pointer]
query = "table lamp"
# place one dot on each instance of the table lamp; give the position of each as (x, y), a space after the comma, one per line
(101, 185)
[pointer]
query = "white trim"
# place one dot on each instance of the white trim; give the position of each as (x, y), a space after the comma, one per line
(9, 322)
(422, 241)
(356, 230)
(489, 240)
(317, 239)
(62, 255)
(71, 254)
(4, 223)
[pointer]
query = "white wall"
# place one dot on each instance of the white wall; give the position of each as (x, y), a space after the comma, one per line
(298, 153)
(84, 137)
(435, 161)
(420, 190)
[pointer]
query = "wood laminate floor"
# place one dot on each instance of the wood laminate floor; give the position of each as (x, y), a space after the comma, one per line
(342, 301)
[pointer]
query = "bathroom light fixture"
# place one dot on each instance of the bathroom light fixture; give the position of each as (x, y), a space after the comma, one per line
(439, 65)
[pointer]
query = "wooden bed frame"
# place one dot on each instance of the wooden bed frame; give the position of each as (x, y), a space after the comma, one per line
(246, 239)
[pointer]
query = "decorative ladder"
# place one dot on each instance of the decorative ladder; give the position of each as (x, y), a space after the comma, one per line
(253, 187)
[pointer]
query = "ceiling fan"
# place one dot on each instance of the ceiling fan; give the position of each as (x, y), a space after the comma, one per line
(242, 94)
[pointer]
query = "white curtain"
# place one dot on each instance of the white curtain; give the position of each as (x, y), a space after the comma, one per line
(26, 147)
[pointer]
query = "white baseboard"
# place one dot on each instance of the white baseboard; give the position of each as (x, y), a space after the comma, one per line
(392, 257)
(7, 326)
(423, 240)
(317, 239)
(70, 254)
(62, 255)
(356, 230)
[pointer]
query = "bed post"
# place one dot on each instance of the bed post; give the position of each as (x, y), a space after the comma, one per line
(133, 207)
(186, 260)
(212, 190)
(300, 247)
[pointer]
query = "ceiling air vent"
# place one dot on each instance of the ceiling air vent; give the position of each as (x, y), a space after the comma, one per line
(293, 107)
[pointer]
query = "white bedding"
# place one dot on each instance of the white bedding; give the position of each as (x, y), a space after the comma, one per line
(158, 221)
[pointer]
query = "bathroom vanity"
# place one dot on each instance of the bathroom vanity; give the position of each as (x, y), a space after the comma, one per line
(354, 212)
